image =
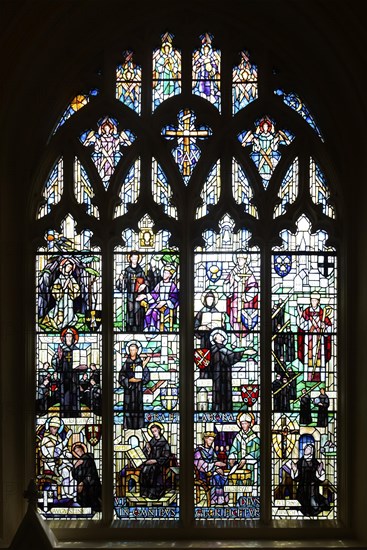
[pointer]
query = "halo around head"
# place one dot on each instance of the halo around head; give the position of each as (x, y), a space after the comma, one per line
(133, 343)
(245, 417)
(149, 428)
(215, 332)
(207, 293)
(78, 444)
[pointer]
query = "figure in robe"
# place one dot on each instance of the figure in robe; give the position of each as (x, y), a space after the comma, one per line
(245, 449)
(69, 373)
(132, 280)
(207, 462)
(322, 402)
(64, 290)
(162, 303)
(107, 142)
(242, 300)
(284, 395)
(265, 142)
(222, 360)
(206, 70)
(153, 276)
(56, 458)
(275, 386)
(165, 71)
(284, 342)
(305, 416)
(157, 452)
(89, 489)
(132, 377)
(314, 339)
(309, 473)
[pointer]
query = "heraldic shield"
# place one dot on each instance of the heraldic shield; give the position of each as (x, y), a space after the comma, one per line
(250, 394)
(202, 358)
(282, 264)
(93, 433)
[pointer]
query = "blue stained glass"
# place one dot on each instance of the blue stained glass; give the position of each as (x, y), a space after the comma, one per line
(78, 102)
(242, 190)
(206, 71)
(53, 189)
(244, 83)
(288, 189)
(295, 102)
(161, 190)
(128, 83)
(83, 189)
(319, 189)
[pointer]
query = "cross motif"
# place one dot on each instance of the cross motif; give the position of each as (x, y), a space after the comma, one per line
(287, 441)
(324, 264)
(187, 153)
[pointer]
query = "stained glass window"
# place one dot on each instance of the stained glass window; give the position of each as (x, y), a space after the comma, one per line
(146, 359)
(69, 375)
(304, 386)
(226, 375)
(208, 214)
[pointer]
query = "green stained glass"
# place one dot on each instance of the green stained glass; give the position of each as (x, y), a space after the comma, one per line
(304, 377)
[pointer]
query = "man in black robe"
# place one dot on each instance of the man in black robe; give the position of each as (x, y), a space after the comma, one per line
(275, 386)
(284, 396)
(132, 377)
(69, 383)
(221, 361)
(322, 401)
(309, 473)
(305, 408)
(157, 452)
(132, 280)
(85, 473)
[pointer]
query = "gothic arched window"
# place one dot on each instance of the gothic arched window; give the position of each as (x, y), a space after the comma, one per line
(186, 303)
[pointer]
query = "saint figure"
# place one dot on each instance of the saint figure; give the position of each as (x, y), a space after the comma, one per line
(210, 469)
(157, 452)
(132, 377)
(85, 473)
(242, 300)
(132, 280)
(69, 373)
(314, 339)
(305, 408)
(309, 473)
(222, 360)
(162, 303)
